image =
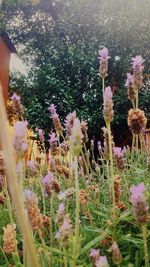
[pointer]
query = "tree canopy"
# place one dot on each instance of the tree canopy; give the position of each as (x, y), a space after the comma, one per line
(59, 40)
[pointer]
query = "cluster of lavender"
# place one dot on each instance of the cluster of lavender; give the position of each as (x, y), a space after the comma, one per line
(136, 118)
(98, 261)
(139, 203)
(64, 224)
(20, 138)
(15, 110)
(101, 261)
(50, 183)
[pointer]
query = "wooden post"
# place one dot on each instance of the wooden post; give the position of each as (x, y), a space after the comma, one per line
(6, 48)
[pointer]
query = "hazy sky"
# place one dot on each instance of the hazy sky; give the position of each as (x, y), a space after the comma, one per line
(16, 64)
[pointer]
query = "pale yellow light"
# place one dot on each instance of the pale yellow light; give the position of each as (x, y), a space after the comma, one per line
(16, 64)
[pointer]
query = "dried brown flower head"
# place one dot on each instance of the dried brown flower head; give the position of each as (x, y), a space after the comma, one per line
(34, 215)
(9, 239)
(136, 120)
(83, 197)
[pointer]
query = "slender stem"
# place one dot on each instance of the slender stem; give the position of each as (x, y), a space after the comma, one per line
(87, 157)
(133, 142)
(103, 87)
(41, 237)
(8, 204)
(43, 197)
(4, 255)
(143, 143)
(137, 142)
(133, 103)
(111, 168)
(85, 163)
(137, 99)
(65, 258)
(51, 217)
(77, 213)
(108, 175)
(144, 233)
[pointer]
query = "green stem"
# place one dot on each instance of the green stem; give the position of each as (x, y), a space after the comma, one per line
(137, 143)
(133, 104)
(137, 99)
(107, 174)
(87, 157)
(111, 168)
(51, 217)
(65, 258)
(43, 197)
(103, 87)
(85, 163)
(77, 213)
(4, 255)
(133, 142)
(144, 234)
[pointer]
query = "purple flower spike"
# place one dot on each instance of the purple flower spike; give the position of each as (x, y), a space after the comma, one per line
(52, 109)
(94, 254)
(103, 57)
(108, 94)
(15, 97)
(20, 128)
(137, 62)
(139, 203)
(137, 191)
(103, 53)
(118, 151)
(130, 80)
(102, 262)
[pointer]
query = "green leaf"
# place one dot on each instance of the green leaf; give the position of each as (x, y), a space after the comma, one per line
(94, 242)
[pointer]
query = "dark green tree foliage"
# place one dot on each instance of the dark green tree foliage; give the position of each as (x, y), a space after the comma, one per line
(59, 40)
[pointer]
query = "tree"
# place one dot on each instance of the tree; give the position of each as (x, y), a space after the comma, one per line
(60, 40)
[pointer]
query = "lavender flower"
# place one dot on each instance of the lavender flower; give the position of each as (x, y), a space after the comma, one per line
(118, 151)
(31, 205)
(20, 128)
(40, 134)
(103, 57)
(76, 137)
(20, 137)
(108, 105)
(95, 255)
(29, 195)
(15, 97)
(52, 109)
(92, 145)
(53, 143)
(137, 64)
(99, 146)
(48, 182)
(55, 118)
(65, 230)
(139, 203)
(102, 262)
(117, 257)
(17, 108)
(32, 167)
(69, 122)
(84, 129)
(131, 86)
(60, 213)
(64, 148)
